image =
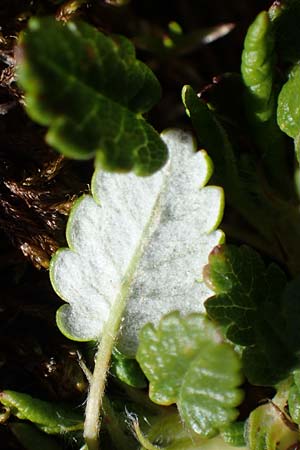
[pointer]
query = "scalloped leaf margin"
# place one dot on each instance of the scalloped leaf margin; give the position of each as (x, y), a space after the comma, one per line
(139, 242)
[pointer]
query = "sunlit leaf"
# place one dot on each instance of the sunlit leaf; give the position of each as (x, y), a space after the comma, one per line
(141, 242)
(183, 358)
(268, 429)
(52, 418)
(259, 310)
(90, 91)
(258, 68)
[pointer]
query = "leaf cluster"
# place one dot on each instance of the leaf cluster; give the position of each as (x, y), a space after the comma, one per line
(258, 309)
(132, 275)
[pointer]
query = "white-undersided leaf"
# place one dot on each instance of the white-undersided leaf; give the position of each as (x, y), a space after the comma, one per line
(145, 239)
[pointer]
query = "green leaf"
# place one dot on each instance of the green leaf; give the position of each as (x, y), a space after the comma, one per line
(214, 139)
(51, 418)
(215, 443)
(90, 91)
(243, 193)
(237, 172)
(259, 310)
(184, 361)
(139, 242)
(127, 370)
(294, 398)
(294, 404)
(33, 439)
(288, 113)
(258, 67)
(234, 434)
(170, 433)
(268, 429)
(258, 72)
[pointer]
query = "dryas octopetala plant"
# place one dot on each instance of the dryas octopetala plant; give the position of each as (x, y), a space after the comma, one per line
(192, 324)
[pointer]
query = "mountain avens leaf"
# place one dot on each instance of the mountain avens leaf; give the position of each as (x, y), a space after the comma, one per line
(258, 68)
(288, 101)
(236, 171)
(288, 112)
(90, 91)
(234, 434)
(172, 434)
(127, 370)
(51, 418)
(294, 404)
(214, 139)
(294, 398)
(259, 309)
(258, 72)
(268, 429)
(184, 361)
(141, 242)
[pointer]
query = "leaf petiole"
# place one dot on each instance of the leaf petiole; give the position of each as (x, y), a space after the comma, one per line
(142, 438)
(97, 382)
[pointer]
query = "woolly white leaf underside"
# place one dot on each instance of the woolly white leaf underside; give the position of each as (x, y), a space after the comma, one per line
(143, 238)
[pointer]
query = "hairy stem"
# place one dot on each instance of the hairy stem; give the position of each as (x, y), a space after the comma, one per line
(147, 445)
(97, 382)
(109, 335)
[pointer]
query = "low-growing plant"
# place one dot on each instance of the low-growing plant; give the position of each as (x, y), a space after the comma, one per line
(180, 274)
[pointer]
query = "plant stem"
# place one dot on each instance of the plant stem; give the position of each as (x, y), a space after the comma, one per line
(109, 335)
(147, 445)
(97, 383)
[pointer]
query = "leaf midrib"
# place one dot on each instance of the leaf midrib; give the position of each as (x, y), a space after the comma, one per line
(72, 79)
(149, 229)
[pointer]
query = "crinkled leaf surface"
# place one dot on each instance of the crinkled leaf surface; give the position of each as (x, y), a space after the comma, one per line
(260, 91)
(260, 311)
(234, 434)
(294, 398)
(288, 112)
(143, 239)
(267, 429)
(258, 68)
(184, 361)
(90, 91)
(52, 418)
